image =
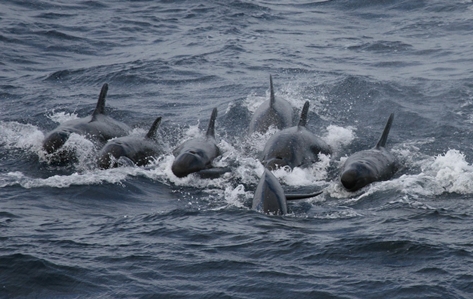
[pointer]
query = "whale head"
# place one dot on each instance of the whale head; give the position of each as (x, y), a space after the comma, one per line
(109, 156)
(189, 162)
(54, 141)
(355, 178)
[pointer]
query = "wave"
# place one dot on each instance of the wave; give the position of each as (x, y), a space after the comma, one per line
(27, 275)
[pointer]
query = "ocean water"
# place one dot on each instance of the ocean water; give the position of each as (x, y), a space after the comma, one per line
(75, 231)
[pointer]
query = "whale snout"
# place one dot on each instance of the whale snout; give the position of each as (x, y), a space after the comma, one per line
(349, 179)
(355, 178)
(109, 155)
(187, 163)
(54, 141)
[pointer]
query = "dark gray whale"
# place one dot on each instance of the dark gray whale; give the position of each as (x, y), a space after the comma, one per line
(294, 146)
(269, 196)
(272, 112)
(365, 167)
(196, 155)
(97, 127)
(138, 150)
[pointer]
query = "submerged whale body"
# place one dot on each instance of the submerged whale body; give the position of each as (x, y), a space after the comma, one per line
(365, 167)
(196, 155)
(140, 151)
(97, 127)
(272, 112)
(269, 196)
(294, 146)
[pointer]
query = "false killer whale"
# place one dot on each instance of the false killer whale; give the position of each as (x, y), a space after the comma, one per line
(294, 146)
(138, 150)
(271, 113)
(269, 196)
(365, 167)
(97, 127)
(196, 155)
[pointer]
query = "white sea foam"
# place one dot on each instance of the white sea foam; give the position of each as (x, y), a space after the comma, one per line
(253, 101)
(237, 196)
(339, 137)
(293, 93)
(21, 136)
(444, 173)
(450, 173)
(61, 181)
(310, 176)
(61, 117)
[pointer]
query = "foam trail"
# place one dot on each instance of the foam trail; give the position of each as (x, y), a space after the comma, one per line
(60, 181)
(20, 136)
(252, 101)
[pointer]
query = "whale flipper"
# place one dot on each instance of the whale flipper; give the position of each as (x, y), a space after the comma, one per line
(302, 196)
(213, 173)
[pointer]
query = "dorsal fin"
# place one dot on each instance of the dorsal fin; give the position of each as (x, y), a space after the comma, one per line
(272, 99)
(100, 109)
(154, 127)
(211, 128)
(384, 137)
(304, 113)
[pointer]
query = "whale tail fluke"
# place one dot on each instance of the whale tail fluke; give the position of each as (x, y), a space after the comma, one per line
(384, 137)
(272, 99)
(100, 109)
(154, 127)
(304, 114)
(211, 127)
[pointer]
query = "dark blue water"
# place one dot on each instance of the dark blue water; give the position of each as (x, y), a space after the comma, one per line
(79, 232)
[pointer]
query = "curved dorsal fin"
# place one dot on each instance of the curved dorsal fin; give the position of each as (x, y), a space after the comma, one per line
(100, 109)
(384, 137)
(211, 127)
(154, 127)
(272, 99)
(304, 113)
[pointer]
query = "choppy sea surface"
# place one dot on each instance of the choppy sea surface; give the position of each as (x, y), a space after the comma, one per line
(76, 231)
